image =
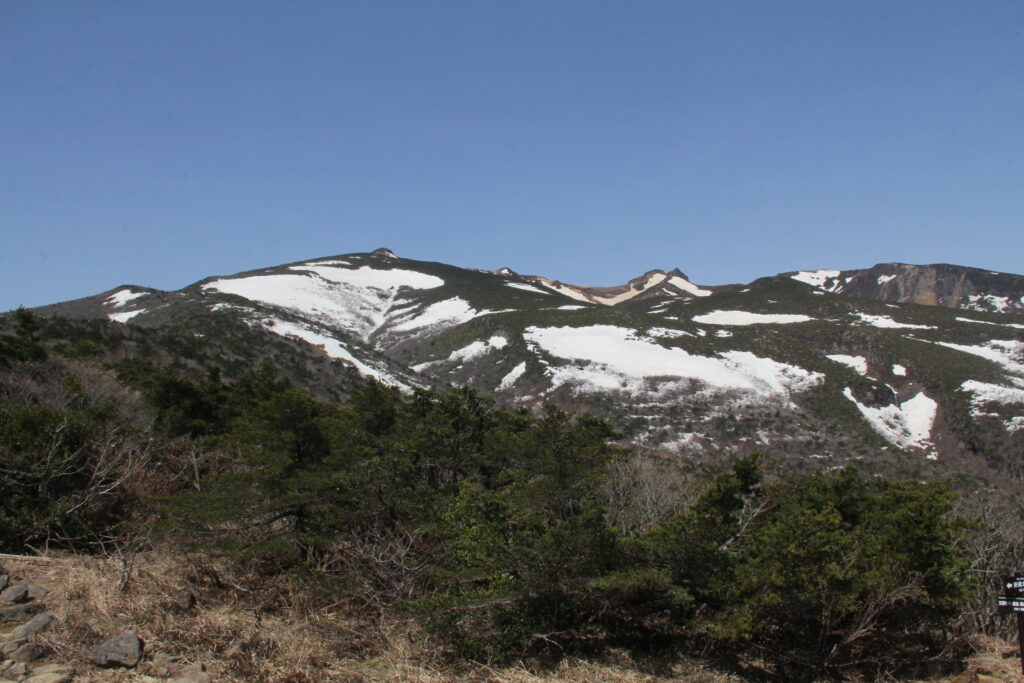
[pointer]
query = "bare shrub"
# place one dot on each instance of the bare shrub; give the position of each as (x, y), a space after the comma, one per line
(645, 490)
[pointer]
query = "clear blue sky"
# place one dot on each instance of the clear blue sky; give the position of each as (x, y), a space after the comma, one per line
(160, 142)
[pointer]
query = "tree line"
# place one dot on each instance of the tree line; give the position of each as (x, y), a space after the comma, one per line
(510, 535)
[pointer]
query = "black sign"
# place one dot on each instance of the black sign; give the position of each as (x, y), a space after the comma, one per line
(1013, 601)
(1007, 604)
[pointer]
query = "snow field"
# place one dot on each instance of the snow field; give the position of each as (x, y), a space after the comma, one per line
(907, 425)
(367, 277)
(747, 318)
(617, 359)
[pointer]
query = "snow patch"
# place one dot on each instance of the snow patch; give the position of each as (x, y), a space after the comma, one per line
(858, 363)
(885, 321)
(899, 370)
(667, 332)
(983, 393)
(1006, 352)
(359, 301)
(817, 278)
(125, 316)
(747, 318)
(986, 322)
(526, 288)
(512, 377)
(332, 347)
(373, 278)
(615, 358)
(907, 425)
(120, 298)
(882, 279)
(449, 312)
(687, 286)
(989, 302)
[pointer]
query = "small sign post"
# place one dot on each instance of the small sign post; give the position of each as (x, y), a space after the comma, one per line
(1012, 600)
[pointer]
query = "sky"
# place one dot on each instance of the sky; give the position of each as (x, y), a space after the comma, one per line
(588, 141)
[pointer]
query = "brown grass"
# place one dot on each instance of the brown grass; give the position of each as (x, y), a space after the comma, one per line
(243, 630)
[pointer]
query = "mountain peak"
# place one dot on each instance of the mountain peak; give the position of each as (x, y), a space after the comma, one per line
(383, 251)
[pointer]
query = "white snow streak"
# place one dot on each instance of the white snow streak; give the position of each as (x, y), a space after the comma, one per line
(512, 377)
(526, 287)
(747, 318)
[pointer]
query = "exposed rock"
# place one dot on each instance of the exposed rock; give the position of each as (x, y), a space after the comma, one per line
(36, 592)
(196, 673)
(49, 678)
(29, 652)
(10, 646)
(5, 578)
(184, 599)
(36, 624)
(19, 612)
(52, 668)
(123, 650)
(16, 670)
(14, 595)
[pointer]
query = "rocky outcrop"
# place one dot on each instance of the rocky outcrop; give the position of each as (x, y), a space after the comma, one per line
(936, 285)
(124, 650)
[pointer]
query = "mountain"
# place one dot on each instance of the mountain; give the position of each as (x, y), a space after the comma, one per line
(817, 366)
(935, 285)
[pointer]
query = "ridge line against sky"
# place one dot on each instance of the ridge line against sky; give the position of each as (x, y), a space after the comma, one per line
(158, 144)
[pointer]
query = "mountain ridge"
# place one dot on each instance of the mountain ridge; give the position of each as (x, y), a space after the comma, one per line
(807, 364)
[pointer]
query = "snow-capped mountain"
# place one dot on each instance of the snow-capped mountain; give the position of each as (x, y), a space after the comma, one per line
(822, 364)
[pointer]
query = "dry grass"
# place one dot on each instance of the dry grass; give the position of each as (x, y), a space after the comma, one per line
(242, 631)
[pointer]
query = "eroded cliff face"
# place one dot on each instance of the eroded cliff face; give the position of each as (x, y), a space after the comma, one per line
(936, 285)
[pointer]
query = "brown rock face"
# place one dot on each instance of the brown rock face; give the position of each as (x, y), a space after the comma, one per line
(937, 285)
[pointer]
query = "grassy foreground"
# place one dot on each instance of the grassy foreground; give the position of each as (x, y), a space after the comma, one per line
(234, 637)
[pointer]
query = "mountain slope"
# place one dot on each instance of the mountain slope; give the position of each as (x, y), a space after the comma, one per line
(816, 364)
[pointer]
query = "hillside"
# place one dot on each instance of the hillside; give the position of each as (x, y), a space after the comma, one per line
(822, 365)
